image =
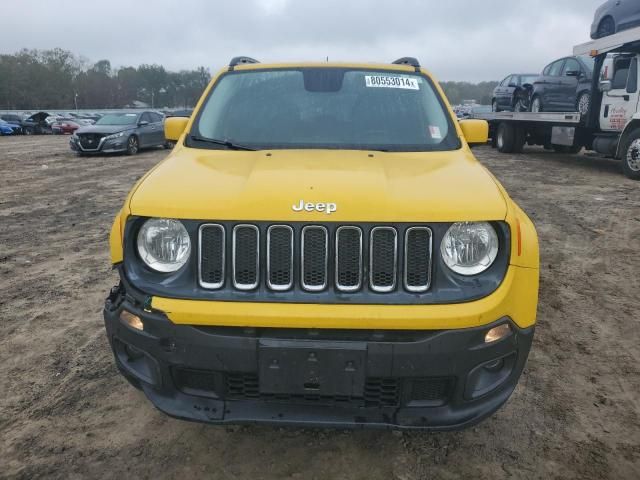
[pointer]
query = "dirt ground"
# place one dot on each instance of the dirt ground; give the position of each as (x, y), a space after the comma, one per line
(65, 412)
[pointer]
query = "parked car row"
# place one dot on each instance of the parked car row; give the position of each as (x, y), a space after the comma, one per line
(564, 85)
(45, 123)
(124, 132)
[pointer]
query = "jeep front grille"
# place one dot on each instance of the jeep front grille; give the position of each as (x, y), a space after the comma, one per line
(315, 258)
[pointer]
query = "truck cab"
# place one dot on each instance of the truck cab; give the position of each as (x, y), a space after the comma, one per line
(619, 85)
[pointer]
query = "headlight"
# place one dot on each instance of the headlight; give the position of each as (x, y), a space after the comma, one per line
(164, 244)
(469, 248)
(115, 135)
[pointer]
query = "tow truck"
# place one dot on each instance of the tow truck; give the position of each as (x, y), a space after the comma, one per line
(611, 126)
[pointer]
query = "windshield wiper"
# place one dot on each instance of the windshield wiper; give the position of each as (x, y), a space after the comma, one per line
(225, 143)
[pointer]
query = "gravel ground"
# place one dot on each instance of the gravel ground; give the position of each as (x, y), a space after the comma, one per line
(66, 413)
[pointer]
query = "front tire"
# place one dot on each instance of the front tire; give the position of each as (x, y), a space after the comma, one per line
(133, 146)
(520, 106)
(583, 103)
(631, 155)
(494, 106)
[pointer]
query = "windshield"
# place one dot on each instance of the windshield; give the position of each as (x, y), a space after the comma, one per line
(118, 119)
(325, 108)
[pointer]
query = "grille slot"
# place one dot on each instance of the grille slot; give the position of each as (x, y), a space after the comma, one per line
(280, 257)
(381, 392)
(246, 256)
(383, 259)
(417, 259)
(314, 251)
(431, 391)
(378, 392)
(348, 259)
(212, 256)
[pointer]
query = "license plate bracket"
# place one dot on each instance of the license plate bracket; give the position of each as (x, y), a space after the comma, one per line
(290, 367)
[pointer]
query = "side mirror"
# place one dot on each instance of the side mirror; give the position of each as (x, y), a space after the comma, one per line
(174, 127)
(143, 123)
(476, 132)
(605, 86)
(573, 73)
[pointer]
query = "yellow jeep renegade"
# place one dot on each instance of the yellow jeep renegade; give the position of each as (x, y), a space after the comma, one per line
(321, 247)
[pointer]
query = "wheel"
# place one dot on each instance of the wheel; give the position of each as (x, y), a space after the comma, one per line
(520, 137)
(505, 139)
(607, 27)
(28, 131)
(494, 106)
(520, 105)
(168, 145)
(536, 105)
(583, 103)
(132, 145)
(631, 155)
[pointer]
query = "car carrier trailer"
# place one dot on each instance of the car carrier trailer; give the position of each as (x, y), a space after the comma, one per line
(612, 124)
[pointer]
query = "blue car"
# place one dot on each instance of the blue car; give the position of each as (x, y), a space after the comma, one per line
(14, 121)
(8, 128)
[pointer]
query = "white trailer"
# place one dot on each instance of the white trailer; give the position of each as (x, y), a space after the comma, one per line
(612, 124)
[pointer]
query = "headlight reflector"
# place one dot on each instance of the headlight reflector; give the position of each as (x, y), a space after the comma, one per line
(469, 248)
(164, 244)
(114, 135)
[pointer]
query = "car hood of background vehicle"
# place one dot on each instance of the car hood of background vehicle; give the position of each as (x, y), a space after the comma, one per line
(107, 129)
(261, 185)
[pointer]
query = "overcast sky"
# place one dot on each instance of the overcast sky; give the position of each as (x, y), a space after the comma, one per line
(456, 39)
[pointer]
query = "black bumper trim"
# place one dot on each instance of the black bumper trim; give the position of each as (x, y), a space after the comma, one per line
(447, 353)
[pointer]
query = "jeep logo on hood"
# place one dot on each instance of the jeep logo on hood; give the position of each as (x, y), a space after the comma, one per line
(327, 208)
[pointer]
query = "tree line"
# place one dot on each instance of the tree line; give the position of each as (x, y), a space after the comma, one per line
(58, 79)
(458, 91)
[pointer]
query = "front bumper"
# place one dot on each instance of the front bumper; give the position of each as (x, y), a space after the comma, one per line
(436, 380)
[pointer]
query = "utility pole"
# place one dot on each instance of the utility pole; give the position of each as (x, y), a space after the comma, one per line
(75, 100)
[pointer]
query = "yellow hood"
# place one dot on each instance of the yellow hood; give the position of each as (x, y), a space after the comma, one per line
(364, 186)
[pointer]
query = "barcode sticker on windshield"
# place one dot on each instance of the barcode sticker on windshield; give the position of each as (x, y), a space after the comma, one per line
(391, 82)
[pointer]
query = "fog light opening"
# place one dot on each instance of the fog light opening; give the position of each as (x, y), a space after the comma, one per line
(133, 353)
(131, 320)
(495, 366)
(497, 333)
